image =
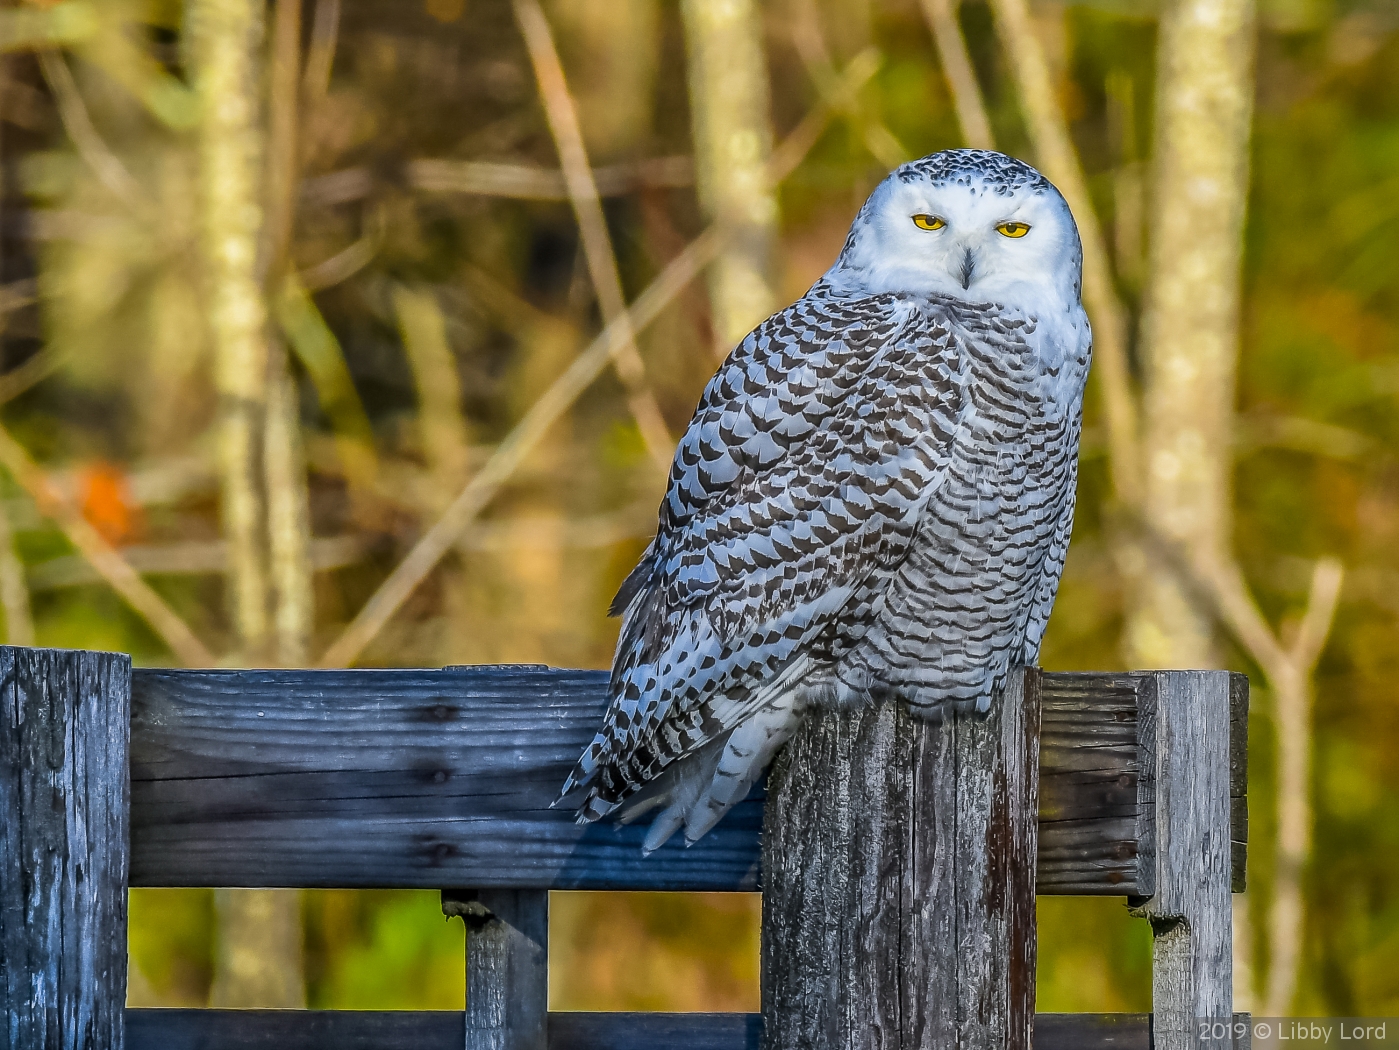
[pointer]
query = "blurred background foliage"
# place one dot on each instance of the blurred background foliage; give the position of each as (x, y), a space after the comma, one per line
(431, 305)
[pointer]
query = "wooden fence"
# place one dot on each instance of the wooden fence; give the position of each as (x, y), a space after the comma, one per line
(443, 779)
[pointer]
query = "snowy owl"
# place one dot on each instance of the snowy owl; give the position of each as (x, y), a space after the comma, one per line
(873, 499)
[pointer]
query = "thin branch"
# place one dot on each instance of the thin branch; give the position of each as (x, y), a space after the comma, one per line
(487, 178)
(810, 45)
(281, 162)
(961, 75)
(345, 263)
(1215, 579)
(110, 565)
(592, 226)
(14, 589)
(555, 401)
(1325, 595)
(288, 517)
(320, 53)
(189, 558)
(284, 458)
(494, 179)
(36, 368)
(18, 294)
(1299, 434)
(315, 346)
(799, 141)
(1288, 670)
(441, 423)
(516, 313)
(511, 452)
(105, 164)
(1057, 158)
(1293, 696)
(595, 530)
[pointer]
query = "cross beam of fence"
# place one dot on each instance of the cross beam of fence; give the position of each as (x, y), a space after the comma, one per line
(445, 779)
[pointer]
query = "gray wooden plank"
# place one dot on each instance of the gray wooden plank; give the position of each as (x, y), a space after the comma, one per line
(1238, 782)
(64, 724)
(293, 1030)
(507, 967)
(899, 888)
(654, 1031)
(1092, 1031)
(1092, 800)
(390, 779)
(1191, 913)
(441, 1030)
(444, 778)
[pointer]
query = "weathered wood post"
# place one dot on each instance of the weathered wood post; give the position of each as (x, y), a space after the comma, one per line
(65, 723)
(507, 967)
(899, 880)
(1190, 911)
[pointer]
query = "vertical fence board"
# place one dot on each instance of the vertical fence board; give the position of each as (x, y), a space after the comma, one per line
(507, 967)
(65, 721)
(898, 895)
(1238, 781)
(1191, 912)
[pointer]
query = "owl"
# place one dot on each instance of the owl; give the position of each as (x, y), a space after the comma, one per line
(872, 502)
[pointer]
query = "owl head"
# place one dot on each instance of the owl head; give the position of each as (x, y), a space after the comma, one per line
(966, 223)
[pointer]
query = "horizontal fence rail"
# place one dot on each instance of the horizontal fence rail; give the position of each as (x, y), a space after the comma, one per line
(430, 779)
(442, 1030)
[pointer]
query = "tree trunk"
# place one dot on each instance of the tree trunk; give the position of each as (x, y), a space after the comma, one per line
(1190, 316)
(225, 38)
(732, 140)
(1190, 324)
(288, 520)
(259, 931)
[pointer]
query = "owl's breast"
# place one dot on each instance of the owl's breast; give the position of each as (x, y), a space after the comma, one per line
(943, 625)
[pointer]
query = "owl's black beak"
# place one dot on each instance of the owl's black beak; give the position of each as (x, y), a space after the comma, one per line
(968, 267)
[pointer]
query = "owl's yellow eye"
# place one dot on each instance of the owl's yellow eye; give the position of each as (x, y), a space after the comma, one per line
(928, 222)
(1013, 229)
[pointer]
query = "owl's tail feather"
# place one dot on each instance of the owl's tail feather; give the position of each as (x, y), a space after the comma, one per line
(712, 781)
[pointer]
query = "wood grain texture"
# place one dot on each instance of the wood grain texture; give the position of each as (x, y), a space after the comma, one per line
(507, 969)
(64, 724)
(444, 778)
(1238, 782)
(1098, 1031)
(442, 1030)
(638, 1031)
(1092, 811)
(1191, 912)
(898, 902)
(389, 779)
(293, 1030)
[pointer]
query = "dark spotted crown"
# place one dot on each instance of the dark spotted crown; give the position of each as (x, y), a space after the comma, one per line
(967, 167)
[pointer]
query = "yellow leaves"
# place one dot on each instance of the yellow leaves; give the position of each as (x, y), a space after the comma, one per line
(57, 25)
(103, 36)
(163, 95)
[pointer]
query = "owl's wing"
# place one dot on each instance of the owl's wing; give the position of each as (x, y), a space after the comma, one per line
(802, 473)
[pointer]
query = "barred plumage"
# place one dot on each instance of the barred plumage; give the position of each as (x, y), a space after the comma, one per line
(873, 499)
